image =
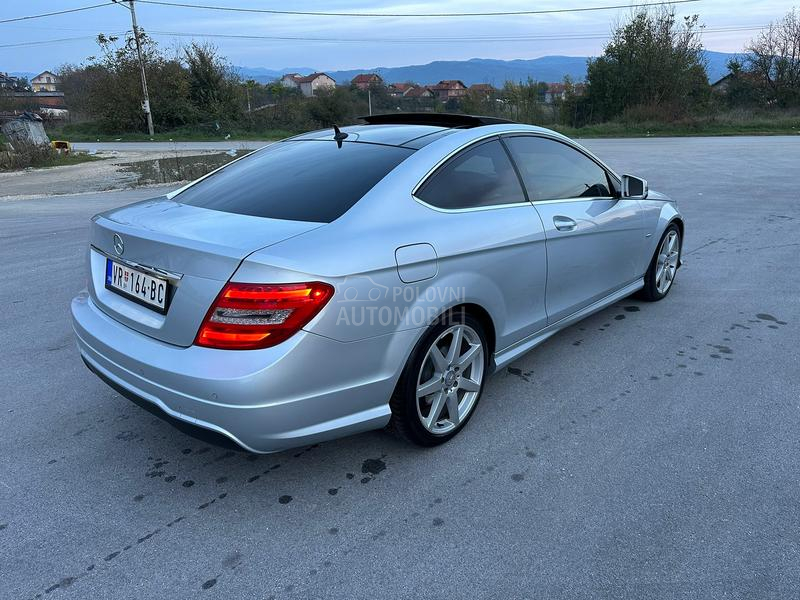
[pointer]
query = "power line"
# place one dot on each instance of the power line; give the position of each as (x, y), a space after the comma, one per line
(412, 40)
(51, 41)
(435, 15)
(184, 33)
(53, 28)
(50, 14)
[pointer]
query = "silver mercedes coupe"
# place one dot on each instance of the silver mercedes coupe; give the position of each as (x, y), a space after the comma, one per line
(351, 279)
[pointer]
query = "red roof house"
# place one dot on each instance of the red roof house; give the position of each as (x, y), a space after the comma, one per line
(363, 81)
(449, 88)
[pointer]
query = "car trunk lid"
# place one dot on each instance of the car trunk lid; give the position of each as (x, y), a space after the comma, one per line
(195, 249)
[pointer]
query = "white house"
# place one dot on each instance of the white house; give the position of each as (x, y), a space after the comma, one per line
(45, 82)
(316, 81)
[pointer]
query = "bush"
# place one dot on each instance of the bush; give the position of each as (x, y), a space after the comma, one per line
(25, 156)
(334, 107)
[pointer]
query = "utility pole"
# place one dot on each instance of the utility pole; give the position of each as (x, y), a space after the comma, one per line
(369, 99)
(146, 102)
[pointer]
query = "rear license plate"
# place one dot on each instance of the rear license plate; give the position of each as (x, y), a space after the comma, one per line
(141, 287)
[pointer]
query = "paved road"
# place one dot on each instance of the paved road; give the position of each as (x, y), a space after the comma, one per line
(650, 451)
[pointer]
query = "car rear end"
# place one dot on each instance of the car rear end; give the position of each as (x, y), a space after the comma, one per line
(168, 319)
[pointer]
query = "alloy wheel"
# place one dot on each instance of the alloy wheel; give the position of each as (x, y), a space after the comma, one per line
(667, 262)
(450, 379)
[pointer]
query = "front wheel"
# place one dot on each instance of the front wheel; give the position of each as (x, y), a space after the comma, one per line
(661, 274)
(442, 381)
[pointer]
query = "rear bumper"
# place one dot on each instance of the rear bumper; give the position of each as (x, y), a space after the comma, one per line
(305, 390)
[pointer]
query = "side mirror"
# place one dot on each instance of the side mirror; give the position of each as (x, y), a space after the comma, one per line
(634, 187)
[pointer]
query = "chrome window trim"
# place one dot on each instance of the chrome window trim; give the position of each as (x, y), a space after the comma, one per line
(473, 208)
(584, 152)
(578, 199)
(505, 134)
(431, 172)
(162, 273)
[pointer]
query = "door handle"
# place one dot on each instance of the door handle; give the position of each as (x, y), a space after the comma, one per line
(564, 223)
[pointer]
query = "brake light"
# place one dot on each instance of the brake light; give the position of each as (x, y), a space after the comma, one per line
(249, 316)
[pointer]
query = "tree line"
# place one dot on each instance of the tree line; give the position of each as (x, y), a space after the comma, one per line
(651, 69)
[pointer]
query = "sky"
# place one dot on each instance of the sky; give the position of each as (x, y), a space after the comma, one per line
(359, 42)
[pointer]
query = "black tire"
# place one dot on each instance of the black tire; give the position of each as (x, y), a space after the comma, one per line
(405, 420)
(650, 292)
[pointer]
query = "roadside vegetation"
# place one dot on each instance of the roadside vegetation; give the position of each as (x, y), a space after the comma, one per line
(40, 156)
(650, 80)
(723, 123)
(89, 132)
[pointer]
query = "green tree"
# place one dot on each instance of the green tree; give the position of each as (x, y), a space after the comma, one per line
(108, 89)
(653, 67)
(213, 86)
(335, 106)
(574, 109)
(524, 101)
(740, 89)
(480, 102)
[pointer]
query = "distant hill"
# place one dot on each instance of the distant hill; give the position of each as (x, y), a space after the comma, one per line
(481, 70)
(717, 63)
(478, 70)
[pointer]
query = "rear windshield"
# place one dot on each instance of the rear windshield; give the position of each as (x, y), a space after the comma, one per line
(311, 180)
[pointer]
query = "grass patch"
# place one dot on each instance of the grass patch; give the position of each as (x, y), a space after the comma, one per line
(73, 158)
(735, 123)
(88, 132)
(41, 158)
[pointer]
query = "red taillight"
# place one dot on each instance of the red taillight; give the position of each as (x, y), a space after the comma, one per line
(248, 316)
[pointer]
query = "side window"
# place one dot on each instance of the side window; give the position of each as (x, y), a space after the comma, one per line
(552, 170)
(480, 176)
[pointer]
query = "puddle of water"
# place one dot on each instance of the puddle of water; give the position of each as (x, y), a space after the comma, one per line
(177, 168)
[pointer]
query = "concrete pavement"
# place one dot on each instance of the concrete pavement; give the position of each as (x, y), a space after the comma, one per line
(649, 451)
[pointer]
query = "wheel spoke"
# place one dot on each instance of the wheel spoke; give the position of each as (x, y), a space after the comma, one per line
(465, 359)
(439, 361)
(434, 384)
(671, 241)
(436, 410)
(455, 345)
(452, 408)
(469, 385)
(660, 274)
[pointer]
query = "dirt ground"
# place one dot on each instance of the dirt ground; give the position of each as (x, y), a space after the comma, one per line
(119, 170)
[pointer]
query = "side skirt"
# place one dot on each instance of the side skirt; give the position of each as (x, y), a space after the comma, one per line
(513, 352)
